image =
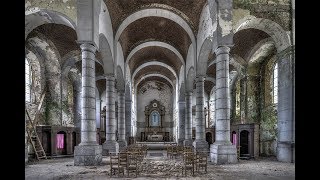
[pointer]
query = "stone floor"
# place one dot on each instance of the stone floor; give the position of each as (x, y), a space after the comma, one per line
(157, 166)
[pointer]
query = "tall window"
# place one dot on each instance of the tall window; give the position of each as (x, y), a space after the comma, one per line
(275, 84)
(27, 81)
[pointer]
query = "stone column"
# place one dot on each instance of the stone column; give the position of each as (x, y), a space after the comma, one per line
(222, 151)
(88, 152)
(182, 107)
(121, 120)
(77, 104)
(285, 146)
(25, 142)
(188, 120)
(98, 112)
(110, 145)
(200, 143)
(69, 142)
(128, 120)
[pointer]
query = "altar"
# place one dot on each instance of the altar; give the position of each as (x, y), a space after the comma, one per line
(153, 127)
(155, 137)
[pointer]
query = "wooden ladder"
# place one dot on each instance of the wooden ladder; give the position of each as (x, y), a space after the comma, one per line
(33, 135)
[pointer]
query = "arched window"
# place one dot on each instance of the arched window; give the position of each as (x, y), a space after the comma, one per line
(275, 84)
(155, 119)
(28, 79)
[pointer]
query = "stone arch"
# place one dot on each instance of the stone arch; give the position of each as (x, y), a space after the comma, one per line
(256, 47)
(106, 55)
(202, 63)
(181, 75)
(69, 61)
(155, 75)
(51, 58)
(120, 80)
(45, 16)
(191, 58)
(37, 63)
(154, 63)
(155, 43)
(120, 59)
(105, 25)
(190, 79)
(157, 12)
(182, 91)
(277, 33)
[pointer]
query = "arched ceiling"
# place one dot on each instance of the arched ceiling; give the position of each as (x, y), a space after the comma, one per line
(245, 40)
(62, 36)
(154, 69)
(154, 28)
(101, 85)
(154, 78)
(189, 10)
(208, 85)
(155, 53)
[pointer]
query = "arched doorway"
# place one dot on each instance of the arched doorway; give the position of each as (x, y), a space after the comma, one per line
(209, 138)
(61, 143)
(244, 143)
(46, 142)
(74, 140)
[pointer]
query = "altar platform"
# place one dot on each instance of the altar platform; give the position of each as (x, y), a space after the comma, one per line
(156, 145)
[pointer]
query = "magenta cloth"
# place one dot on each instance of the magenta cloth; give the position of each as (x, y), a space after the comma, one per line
(60, 141)
(234, 139)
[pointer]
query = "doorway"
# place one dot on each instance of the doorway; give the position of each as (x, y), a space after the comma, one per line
(244, 143)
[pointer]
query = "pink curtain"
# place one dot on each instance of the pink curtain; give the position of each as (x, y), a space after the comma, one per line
(234, 139)
(60, 141)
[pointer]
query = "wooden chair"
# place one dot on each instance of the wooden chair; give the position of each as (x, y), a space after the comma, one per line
(123, 159)
(188, 162)
(202, 161)
(169, 151)
(132, 163)
(174, 152)
(115, 165)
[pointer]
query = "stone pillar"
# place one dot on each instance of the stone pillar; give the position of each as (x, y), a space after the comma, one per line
(69, 142)
(128, 120)
(182, 107)
(98, 112)
(53, 142)
(188, 120)
(121, 120)
(285, 146)
(77, 104)
(25, 142)
(88, 152)
(222, 151)
(200, 143)
(110, 145)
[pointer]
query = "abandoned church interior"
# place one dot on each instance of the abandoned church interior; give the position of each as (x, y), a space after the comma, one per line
(159, 89)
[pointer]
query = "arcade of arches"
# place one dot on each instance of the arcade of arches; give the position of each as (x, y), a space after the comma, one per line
(215, 75)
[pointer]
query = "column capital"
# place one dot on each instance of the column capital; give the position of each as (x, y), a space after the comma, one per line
(121, 92)
(222, 50)
(286, 52)
(88, 47)
(128, 101)
(200, 78)
(109, 77)
(188, 93)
